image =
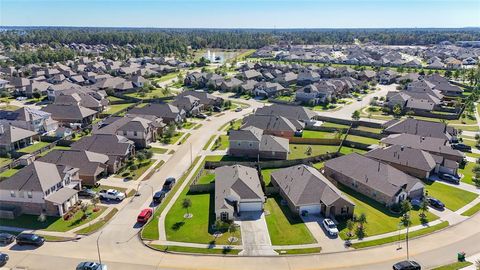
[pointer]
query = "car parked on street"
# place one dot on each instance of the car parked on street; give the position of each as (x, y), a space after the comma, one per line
(30, 239)
(91, 266)
(6, 238)
(450, 178)
(435, 203)
(111, 194)
(407, 265)
(144, 215)
(169, 183)
(330, 227)
(239, 109)
(158, 196)
(3, 259)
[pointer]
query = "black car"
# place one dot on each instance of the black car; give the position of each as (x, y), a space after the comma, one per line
(449, 178)
(462, 147)
(3, 259)
(201, 116)
(407, 265)
(435, 203)
(86, 192)
(6, 238)
(158, 196)
(169, 182)
(30, 239)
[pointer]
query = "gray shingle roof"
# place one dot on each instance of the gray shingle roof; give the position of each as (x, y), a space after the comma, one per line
(406, 156)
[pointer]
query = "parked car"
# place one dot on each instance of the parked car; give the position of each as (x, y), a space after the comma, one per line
(111, 194)
(86, 192)
(6, 238)
(239, 109)
(3, 259)
(330, 227)
(30, 239)
(145, 215)
(202, 116)
(169, 183)
(462, 147)
(450, 178)
(91, 266)
(407, 265)
(21, 98)
(435, 203)
(158, 196)
(217, 109)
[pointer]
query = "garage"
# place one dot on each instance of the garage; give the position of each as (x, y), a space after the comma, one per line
(311, 209)
(251, 206)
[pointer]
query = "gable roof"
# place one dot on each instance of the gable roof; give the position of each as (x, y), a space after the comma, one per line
(110, 145)
(10, 134)
(68, 112)
(299, 113)
(274, 144)
(88, 163)
(405, 156)
(246, 134)
(419, 127)
(429, 144)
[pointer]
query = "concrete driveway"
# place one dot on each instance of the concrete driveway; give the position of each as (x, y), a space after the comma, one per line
(255, 238)
(327, 242)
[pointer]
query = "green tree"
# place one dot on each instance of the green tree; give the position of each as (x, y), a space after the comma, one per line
(397, 110)
(356, 115)
(186, 204)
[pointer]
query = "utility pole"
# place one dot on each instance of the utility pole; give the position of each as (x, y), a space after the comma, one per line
(98, 248)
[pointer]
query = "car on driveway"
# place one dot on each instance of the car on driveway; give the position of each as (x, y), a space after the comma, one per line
(407, 265)
(450, 178)
(91, 266)
(169, 183)
(239, 109)
(462, 147)
(158, 196)
(201, 116)
(435, 203)
(330, 227)
(21, 98)
(6, 238)
(111, 194)
(3, 259)
(144, 215)
(30, 239)
(88, 193)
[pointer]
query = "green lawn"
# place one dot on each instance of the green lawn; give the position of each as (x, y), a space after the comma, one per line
(112, 98)
(318, 165)
(156, 93)
(187, 125)
(181, 249)
(184, 139)
(334, 125)
(9, 107)
(174, 139)
(298, 251)
(34, 147)
(348, 150)
(472, 211)
(207, 177)
(52, 223)
(179, 229)
(284, 227)
(136, 173)
(467, 172)
(205, 147)
(453, 266)
(380, 220)
(167, 77)
(8, 173)
(369, 129)
(222, 143)
(396, 238)
(266, 175)
(4, 161)
(157, 150)
(360, 139)
(99, 224)
(319, 134)
(116, 108)
(54, 148)
(299, 150)
(453, 198)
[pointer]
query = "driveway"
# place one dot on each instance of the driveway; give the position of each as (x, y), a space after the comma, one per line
(255, 237)
(328, 243)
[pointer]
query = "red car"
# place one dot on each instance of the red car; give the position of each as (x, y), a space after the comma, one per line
(145, 215)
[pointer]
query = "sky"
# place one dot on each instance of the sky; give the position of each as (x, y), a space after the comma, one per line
(242, 13)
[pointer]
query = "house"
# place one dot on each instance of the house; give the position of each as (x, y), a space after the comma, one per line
(68, 114)
(251, 74)
(443, 85)
(267, 89)
(207, 100)
(168, 112)
(436, 146)
(307, 77)
(422, 128)
(94, 100)
(13, 138)
(41, 188)
(374, 179)
(237, 190)
(91, 166)
(293, 113)
(312, 96)
(307, 191)
(31, 119)
(142, 131)
(190, 104)
(232, 85)
(274, 125)
(286, 79)
(387, 76)
(116, 147)
(367, 75)
(251, 142)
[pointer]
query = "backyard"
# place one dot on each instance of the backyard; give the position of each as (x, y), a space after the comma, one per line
(300, 150)
(112, 109)
(321, 134)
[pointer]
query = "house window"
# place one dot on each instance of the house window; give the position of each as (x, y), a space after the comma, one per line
(12, 194)
(374, 194)
(224, 216)
(135, 133)
(29, 194)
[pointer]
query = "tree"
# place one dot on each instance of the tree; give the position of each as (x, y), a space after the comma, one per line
(36, 95)
(350, 225)
(423, 210)
(95, 201)
(232, 229)
(361, 220)
(186, 204)
(84, 209)
(397, 110)
(356, 115)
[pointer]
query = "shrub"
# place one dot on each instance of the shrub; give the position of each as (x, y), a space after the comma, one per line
(133, 167)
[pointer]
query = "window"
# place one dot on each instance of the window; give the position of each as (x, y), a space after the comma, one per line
(29, 194)
(135, 133)
(12, 194)
(224, 216)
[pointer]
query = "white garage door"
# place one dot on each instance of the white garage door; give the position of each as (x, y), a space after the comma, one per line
(250, 206)
(311, 209)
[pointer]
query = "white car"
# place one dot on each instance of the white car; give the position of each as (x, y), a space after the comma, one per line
(21, 98)
(111, 194)
(330, 227)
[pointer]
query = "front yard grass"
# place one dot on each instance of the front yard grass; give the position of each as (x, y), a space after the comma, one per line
(8, 173)
(284, 227)
(392, 239)
(4, 161)
(99, 224)
(298, 251)
(157, 150)
(380, 220)
(137, 171)
(172, 140)
(467, 173)
(222, 143)
(181, 249)
(453, 198)
(299, 150)
(472, 211)
(117, 108)
(454, 266)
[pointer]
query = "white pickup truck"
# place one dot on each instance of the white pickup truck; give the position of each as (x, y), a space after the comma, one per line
(111, 194)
